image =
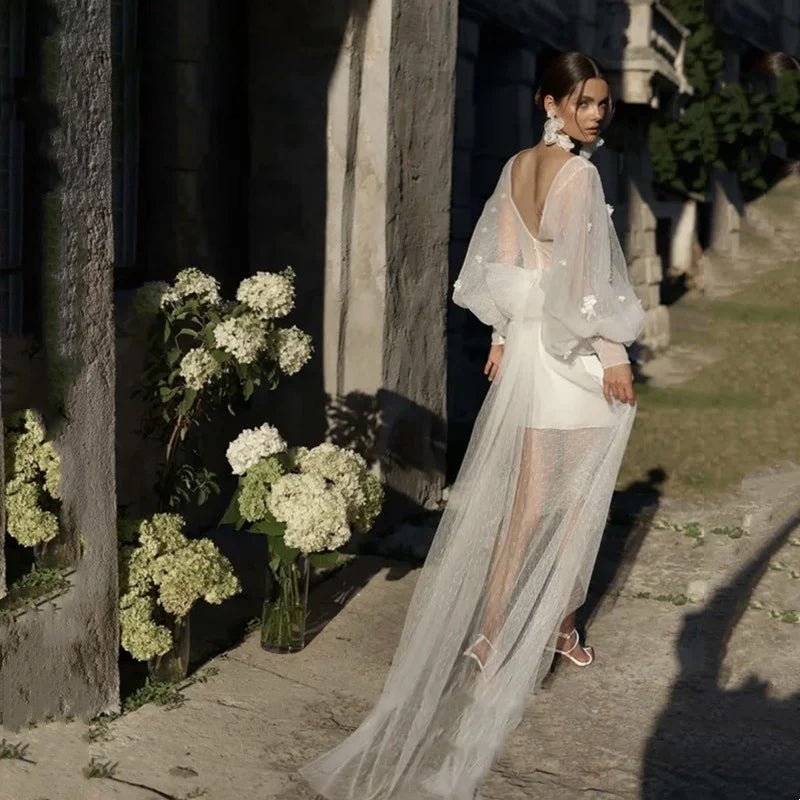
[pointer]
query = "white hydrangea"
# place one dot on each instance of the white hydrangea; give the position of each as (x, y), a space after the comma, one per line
(243, 337)
(314, 512)
(293, 349)
(269, 294)
(192, 282)
(149, 298)
(338, 464)
(253, 444)
(198, 368)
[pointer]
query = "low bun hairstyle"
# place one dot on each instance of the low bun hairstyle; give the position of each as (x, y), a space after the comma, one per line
(773, 65)
(565, 73)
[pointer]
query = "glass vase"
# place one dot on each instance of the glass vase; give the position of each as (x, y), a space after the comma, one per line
(283, 618)
(172, 666)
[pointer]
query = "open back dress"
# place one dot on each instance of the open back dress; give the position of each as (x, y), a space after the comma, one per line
(518, 539)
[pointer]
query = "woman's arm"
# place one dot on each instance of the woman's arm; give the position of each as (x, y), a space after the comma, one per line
(492, 248)
(589, 304)
(610, 353)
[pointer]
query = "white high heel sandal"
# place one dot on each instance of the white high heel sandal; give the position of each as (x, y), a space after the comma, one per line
(470, 654)
(589, 649)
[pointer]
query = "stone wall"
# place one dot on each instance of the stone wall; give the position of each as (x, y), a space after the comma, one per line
(61, 659)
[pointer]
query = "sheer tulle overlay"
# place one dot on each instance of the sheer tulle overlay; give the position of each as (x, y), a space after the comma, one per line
(518, 539)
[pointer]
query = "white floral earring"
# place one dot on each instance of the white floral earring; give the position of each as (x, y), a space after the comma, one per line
(552, 127)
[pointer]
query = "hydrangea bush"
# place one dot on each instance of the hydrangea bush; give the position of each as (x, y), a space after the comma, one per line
(306, 500)
(160, 568)
(205, 352)
(33, 475)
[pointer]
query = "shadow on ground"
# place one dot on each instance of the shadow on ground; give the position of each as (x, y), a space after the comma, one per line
(710, 742)
(632, 510)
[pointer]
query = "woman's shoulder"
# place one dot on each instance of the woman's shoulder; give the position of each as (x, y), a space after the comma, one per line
(578, 170)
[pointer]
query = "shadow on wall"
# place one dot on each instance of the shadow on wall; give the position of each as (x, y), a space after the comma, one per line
(710, 742)
(235, 116)
(390, 438)
(294, 50)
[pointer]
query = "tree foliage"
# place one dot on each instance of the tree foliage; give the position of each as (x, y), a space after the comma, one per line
(725, 126)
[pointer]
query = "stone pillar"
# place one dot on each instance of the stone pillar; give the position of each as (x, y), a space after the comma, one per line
(61, 658)
(726, 203)
(413, 399)
(644, 264)
(352, 187)
(683, 238)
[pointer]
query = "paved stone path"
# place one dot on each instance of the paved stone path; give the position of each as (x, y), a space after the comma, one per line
(695, 692)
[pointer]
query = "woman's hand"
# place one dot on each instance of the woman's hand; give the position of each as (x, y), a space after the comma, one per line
(618, 382)
(493, 361)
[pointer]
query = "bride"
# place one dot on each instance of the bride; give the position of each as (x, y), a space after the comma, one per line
(514, 550)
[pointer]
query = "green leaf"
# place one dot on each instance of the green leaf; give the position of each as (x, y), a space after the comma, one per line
(324, 560)
(232, 514)
(173, 356)
(278, 547)
(188, 399)
(269, 527)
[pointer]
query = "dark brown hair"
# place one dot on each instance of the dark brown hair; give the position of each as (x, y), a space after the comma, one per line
(774, 64)
(567, 72)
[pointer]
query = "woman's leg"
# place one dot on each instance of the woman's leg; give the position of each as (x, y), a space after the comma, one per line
(582, 441)
(511, 550)
(538, 481)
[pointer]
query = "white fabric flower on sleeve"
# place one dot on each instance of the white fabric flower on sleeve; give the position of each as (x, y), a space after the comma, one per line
(587, 309)
(610, 209)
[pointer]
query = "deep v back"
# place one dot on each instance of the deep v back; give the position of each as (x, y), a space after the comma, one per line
(513, 202)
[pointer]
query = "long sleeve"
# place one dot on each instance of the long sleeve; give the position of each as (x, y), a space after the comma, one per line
(490, 262)
(588, 295)
(610, 353)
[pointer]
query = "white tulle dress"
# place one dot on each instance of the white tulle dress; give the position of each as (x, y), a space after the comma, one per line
(517, 541)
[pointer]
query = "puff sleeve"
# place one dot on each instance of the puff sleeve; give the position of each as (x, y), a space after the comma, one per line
(490, 264)
(589, 304)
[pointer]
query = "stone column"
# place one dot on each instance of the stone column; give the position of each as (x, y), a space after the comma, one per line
(61, 658)
(644, 264)
(352, 187)
(683, 238)
(420, 123)
(725, 213)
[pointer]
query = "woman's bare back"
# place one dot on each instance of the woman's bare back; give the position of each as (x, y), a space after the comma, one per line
(532, 174)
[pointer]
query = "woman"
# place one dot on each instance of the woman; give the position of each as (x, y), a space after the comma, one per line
(516, 544)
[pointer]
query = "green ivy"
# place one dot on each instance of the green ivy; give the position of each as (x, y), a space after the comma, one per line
(726, 127)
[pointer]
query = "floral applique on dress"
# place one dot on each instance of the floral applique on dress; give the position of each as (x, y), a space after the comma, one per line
(587, 309)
